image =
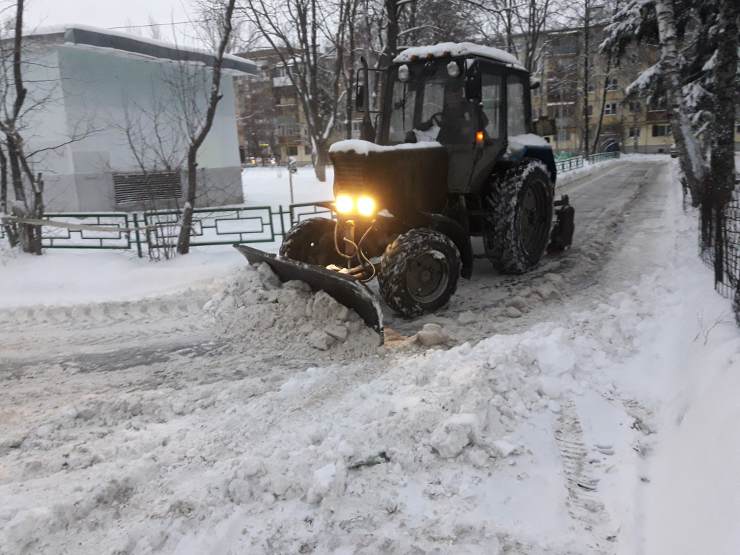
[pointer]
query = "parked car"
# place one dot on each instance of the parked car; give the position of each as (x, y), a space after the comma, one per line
(674, 151)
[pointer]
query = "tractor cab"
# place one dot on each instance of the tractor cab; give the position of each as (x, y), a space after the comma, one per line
(469, 98)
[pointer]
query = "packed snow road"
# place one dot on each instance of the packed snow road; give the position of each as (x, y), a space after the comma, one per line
(250, 417)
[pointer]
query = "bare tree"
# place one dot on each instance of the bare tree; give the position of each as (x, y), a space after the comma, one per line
(198, 133)
(309, 37)
(11, 125)
(21, 109)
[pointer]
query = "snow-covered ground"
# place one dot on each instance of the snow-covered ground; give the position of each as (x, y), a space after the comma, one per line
(271, 186)
(589, 407)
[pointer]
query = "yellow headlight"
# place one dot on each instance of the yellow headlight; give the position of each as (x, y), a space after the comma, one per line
(344, 204)
(366, 206)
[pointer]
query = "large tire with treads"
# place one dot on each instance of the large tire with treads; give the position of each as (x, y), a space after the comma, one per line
(517, 227)
(419, 272)
(312, 241)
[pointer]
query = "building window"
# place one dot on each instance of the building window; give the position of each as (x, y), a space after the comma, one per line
(563, 135)
(279, 71)
(662, 130)
(610, 108)
(292, 151)
(564, 44)
(612, 84)
(658, 104)
(634, 132)
(589, 110)
(635, 106)
(307, 149)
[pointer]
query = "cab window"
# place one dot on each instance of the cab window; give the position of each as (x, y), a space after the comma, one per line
(516, 123)
(491, 103)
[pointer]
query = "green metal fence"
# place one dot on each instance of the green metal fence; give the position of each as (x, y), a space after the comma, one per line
(152, 230)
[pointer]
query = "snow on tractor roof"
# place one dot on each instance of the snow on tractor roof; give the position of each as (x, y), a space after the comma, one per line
(457, 49)
(366, 147)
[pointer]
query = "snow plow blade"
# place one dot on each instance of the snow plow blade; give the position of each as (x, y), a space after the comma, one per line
(344, 289)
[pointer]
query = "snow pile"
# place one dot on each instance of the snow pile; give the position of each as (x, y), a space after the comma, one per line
(259, 312)
(457, 49)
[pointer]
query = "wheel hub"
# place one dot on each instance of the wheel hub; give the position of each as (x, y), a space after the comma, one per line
(427, 276)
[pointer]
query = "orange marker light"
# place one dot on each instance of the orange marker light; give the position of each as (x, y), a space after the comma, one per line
(480, 136)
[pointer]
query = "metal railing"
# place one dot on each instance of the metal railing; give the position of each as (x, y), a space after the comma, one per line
(154, 230)
(603, 156)
(159, 229)
(575, 162)
(569, 164)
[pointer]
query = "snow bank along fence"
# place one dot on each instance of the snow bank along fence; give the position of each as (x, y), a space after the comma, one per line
(719, 241)
(158, 229)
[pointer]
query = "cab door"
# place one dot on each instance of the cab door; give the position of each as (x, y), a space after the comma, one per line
(492, 121)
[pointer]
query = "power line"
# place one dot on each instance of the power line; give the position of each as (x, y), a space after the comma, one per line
(160, 24)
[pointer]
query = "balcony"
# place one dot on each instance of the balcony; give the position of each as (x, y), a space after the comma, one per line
(283, 81)
(655, 116)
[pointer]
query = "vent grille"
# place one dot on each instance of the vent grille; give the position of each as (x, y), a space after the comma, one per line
(129, 188)
(349, 169)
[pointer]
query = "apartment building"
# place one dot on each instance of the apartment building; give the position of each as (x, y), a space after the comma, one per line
(271, 122)
(629, 125)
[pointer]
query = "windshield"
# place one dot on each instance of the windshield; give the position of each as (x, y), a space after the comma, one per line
(430, 106)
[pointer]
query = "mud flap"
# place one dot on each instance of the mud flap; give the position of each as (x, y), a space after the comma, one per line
(344, 289)
(562, 233)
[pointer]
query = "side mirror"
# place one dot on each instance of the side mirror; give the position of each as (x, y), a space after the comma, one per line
(473, 82)
(544, 126)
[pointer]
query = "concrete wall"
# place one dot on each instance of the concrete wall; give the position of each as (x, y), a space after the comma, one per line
(100, 94)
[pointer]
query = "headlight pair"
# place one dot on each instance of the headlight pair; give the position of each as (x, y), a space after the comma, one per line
(364, 205)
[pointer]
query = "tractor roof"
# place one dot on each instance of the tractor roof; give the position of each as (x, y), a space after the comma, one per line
(457, 49)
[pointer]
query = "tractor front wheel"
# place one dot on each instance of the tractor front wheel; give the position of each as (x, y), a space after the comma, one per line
(312, 241)
(419, 272)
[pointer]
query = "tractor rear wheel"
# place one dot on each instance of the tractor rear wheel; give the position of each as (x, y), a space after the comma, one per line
(517, 227)
(419, 272)
(312, 241)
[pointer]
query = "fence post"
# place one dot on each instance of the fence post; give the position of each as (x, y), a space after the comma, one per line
(136, 234)
(282, 224)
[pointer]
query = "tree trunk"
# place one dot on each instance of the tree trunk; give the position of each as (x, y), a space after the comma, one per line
(690, 157)
(586, 77)
(196, 140)
(321, 160)
(723, 128)
(3, 182)
(186, 226)
(600, 121)
(38, 213)
(722, 164)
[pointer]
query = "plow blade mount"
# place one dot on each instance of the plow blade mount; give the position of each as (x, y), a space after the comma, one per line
(344, 289)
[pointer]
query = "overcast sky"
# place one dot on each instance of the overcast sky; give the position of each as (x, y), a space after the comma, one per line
(110, 13)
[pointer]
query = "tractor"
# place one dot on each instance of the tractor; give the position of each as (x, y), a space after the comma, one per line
(453, 157)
